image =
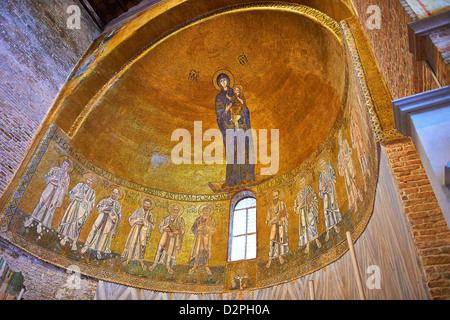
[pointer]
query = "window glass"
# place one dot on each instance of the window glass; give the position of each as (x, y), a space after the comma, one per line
(243, 230)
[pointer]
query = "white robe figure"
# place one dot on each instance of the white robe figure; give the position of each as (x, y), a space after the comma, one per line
(307, 207)
(346, 169)
(142, 224)
(358, 144)
(203, 228)
(277, 221)
(105, 226)
(170, 243)
(78, 211)
(57, 180)
(327, 192)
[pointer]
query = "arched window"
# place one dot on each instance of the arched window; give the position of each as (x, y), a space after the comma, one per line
(242, 237)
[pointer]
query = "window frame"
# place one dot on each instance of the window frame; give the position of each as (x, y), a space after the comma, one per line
(236, 199)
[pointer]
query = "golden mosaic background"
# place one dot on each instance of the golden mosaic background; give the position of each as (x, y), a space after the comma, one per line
(307, 88)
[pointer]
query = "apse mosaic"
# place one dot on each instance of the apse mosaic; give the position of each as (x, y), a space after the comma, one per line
(93, 56)
(69, 211)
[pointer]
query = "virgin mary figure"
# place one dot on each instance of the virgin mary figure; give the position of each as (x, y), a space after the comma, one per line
(233, 119)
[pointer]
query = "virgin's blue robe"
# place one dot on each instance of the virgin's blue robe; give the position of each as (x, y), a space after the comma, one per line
(235, 172)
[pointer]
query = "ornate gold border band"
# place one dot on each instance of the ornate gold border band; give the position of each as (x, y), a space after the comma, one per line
(378, 132)
(311, 13)
(16, 196)
(311, 266)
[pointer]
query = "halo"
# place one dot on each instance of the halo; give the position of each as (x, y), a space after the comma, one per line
(200, 209)
(61, 160)
(240, 87)
(220, 72)
(280, 192)
(301, 175)
(91, 175)
(141, 202)
(324, 158)
(179, 204)
(121, 192)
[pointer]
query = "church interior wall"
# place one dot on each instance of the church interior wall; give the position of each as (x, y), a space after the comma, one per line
(38, 53)
(403, 73)
(394, 229)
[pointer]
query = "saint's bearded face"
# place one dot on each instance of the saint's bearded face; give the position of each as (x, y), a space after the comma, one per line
(206, 212)
(275, 196)
(89, 181)
(115, 194)
(175, 210)
(147, 205)
(65, 165)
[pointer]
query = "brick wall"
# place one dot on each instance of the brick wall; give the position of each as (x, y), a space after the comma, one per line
(45, 282)
(404, 75)
(441, 48)
(428, 226)
(37, 54)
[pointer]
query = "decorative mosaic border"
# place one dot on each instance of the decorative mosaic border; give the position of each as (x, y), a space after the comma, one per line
(95, 272)
(102, 274)
(379, 135)
(340, 249)
(52, 258)
(314, 14)
(374, 120)
(324, 259)
(16, 196)
(311, 266)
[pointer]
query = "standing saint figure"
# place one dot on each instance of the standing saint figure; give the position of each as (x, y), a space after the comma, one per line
(327, 192)
(172, 229)
(203, 228)
(57, 181)
(358, 144)
(307, 207)
(106, 225)
(142, 224)
(277, 221)
(233, 119)
(83, 201)
(346, 169)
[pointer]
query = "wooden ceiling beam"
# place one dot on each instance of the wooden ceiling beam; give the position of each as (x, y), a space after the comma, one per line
(103, 11)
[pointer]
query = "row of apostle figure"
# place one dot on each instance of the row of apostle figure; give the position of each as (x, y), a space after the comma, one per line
(104, 229)
(306, 203)
(172, 227)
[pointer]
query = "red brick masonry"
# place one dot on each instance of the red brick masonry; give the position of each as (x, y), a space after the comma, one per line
(428, 226)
